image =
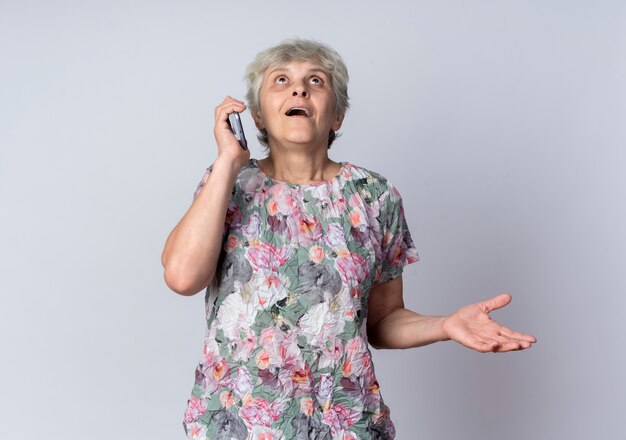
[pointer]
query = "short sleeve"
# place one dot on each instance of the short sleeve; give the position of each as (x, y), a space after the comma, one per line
(233, 208)
(397, 248)
(205, 177)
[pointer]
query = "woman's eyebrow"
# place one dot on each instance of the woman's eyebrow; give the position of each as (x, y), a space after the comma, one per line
(280, 69)
(318, 70)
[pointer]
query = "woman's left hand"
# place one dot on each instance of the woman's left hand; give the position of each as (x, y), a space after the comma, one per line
(473, 327)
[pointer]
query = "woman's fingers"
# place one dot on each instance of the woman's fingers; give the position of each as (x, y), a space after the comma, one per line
(513, 337)
(504, 331)
(226, 142)
(227, 106)
(505, 339)
(505, 335)
(483, 345)
(472, 327)
(498, 345)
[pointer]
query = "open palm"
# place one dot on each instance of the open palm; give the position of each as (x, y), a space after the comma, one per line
(473, 327)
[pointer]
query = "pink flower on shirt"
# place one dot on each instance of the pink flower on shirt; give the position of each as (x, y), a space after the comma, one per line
(309, 227)
(196, 431)
(357, 218)
(339, 417)
(195, 408)
(283, 200)
(316, 254)
(357, 359)
(259, 411)
(353, 269)
(267, 256)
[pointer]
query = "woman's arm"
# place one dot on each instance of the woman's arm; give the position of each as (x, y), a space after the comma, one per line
(390, 325)
(193, 247)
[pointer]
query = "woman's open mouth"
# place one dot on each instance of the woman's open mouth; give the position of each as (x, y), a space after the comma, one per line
(298, 111)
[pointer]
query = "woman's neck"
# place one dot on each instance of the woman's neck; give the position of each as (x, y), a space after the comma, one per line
(300, 167)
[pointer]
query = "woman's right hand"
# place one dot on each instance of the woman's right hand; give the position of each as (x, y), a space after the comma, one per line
(228, 147)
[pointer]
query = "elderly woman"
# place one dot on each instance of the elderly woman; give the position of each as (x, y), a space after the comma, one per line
(303, 260)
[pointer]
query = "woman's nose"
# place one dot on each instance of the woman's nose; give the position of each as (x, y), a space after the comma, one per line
(299, 90)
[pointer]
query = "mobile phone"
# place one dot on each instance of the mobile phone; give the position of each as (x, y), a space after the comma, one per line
(235, 125)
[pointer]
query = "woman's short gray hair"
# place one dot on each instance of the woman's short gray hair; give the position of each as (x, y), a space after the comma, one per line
(297, 49)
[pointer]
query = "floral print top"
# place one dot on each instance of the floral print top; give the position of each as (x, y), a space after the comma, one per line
(286, 353)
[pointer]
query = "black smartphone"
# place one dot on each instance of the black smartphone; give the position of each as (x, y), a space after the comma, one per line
(235, 125)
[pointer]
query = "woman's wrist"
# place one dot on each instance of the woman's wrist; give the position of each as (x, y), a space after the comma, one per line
(233, 164)
(444, 332)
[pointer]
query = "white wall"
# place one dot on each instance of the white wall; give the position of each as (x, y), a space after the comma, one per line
(502, 124)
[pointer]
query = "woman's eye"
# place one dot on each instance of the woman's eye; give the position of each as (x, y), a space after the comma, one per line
(316, 80)
(281, 80)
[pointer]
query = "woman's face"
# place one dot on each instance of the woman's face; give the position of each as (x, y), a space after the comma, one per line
(297, 104)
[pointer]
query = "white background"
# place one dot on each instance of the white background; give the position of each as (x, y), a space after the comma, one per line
(502, 123)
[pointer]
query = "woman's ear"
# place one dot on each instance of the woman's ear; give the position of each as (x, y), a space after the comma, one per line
(338, 122)
(256, 116)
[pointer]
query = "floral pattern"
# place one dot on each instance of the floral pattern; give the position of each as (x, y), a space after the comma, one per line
(286, 353)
